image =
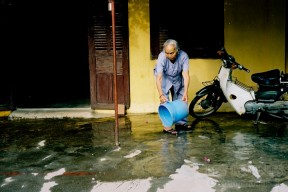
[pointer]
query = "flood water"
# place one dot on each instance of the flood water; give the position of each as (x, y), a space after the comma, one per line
(222, 153)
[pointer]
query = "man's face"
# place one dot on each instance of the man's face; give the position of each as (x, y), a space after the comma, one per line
(170, 52)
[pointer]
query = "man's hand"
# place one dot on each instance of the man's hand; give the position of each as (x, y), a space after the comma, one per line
(185, 98)
(163, 99)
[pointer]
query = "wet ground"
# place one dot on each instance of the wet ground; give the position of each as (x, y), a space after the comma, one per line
(224, 153)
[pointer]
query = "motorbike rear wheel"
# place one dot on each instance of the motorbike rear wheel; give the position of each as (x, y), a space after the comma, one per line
(205, 105)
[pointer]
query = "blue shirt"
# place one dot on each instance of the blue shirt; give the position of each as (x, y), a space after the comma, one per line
(172, 72)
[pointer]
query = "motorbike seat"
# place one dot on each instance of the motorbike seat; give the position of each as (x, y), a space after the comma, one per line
(271, 77)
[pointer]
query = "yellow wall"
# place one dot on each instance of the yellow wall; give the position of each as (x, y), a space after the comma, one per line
(254, 35)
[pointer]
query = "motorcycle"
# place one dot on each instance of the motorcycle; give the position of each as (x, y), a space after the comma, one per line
(270, 97)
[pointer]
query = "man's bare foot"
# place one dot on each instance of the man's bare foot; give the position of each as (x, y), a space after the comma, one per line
(169, 130)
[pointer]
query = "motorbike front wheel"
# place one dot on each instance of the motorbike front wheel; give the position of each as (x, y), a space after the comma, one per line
(205, 105)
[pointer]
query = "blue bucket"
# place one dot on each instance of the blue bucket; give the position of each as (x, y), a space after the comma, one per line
(172, 112)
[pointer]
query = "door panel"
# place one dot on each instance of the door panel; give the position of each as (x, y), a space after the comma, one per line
(101, 61)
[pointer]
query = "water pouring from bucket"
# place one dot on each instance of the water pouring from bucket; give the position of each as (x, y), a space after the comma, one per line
(172, 112)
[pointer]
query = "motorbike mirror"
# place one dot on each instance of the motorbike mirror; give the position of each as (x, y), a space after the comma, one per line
(220, 52)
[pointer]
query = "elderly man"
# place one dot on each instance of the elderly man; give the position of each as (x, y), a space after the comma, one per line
(172, 76)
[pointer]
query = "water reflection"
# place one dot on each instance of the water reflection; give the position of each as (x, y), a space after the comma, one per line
(104, 132)
(208, 128)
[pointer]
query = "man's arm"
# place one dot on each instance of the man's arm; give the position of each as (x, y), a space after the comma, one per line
(186, 85)
(162, 97)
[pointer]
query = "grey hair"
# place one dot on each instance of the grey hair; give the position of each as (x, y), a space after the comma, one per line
(171, 42)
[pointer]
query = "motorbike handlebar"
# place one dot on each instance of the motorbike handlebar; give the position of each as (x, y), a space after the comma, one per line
(241, 67)
(230, 59)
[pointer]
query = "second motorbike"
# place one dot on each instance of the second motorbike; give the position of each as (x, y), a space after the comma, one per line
(271, 96)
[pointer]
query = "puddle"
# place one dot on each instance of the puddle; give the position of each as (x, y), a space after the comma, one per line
(223, 153)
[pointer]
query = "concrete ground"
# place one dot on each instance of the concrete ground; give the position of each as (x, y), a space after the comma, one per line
(43, 113)
(66, 151)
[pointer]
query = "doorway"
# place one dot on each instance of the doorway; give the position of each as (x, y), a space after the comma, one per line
(101, 55)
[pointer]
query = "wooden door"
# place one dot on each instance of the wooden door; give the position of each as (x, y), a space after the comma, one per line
(100, 41)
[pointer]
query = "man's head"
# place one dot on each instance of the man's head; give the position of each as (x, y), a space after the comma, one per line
(171, 48)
